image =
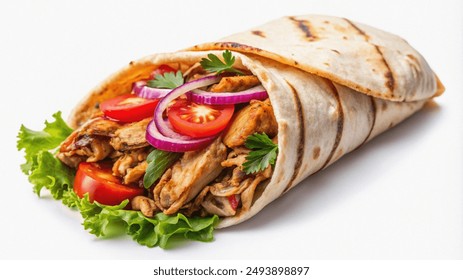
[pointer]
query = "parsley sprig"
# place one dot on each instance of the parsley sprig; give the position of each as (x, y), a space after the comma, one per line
(264, 153)
(214, 64)
(167, 80)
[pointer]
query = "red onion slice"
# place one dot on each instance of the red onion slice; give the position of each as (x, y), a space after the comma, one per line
(161, 142)
(142, 90)
(223, 98)
(163, 128)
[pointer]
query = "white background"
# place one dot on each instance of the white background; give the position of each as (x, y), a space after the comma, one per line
(398, 197)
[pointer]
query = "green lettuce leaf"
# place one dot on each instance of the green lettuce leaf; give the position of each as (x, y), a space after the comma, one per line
(196, 228)
(50, 173)
(43, 169)
(35, 141)
(108, 221)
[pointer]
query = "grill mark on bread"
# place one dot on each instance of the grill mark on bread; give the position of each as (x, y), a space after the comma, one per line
(340, 126)
(300, 146)
(316, 153)
(359, 31)
(304, 26)
(258, 33)
(373, 109)
(233, 46)
(413, 58)
(390, 81)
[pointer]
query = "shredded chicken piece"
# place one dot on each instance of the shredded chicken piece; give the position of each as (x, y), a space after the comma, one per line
(131, 165)
(135, 174)
(145, 205)
(84, 134)
(115, 154)
(196, 205)
(88, 148)
(235, 159)
(97, 126)
(70, 160)
(99, 149)
(88, 143)
(194, 72)
(234, 182)
(235, 83)
(101, 126)
(130, 136)
(66, 145)
(218, 205)
(187, 177)
(256, 117)
(247, 195)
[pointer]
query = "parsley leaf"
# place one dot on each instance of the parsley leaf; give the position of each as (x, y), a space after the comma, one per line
(158, 162)
(214, 64)
(264, 153)
(167, 80)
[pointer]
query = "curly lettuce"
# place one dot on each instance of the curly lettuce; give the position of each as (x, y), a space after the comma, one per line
(44, 170)
(34, 142)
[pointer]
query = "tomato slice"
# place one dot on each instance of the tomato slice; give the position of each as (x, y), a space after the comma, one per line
(97, 180)
(199, 120)
(161, 70)
(129, 108)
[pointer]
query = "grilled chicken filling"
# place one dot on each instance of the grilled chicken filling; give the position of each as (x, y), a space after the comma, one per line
(200, 182)
(188, 177)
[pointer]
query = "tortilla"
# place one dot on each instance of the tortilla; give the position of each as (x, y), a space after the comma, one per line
(333, 84)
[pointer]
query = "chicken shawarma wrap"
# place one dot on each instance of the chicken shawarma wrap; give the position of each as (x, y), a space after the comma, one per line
(182, 143)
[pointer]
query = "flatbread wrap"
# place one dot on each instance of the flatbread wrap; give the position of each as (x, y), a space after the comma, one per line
(330, 85)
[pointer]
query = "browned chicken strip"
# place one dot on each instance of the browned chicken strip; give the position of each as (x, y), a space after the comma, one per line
(101, 127)
(130, 136)
(88, 148)
(189, 176)
(236, 83)
(95, 127)
(256, 117)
